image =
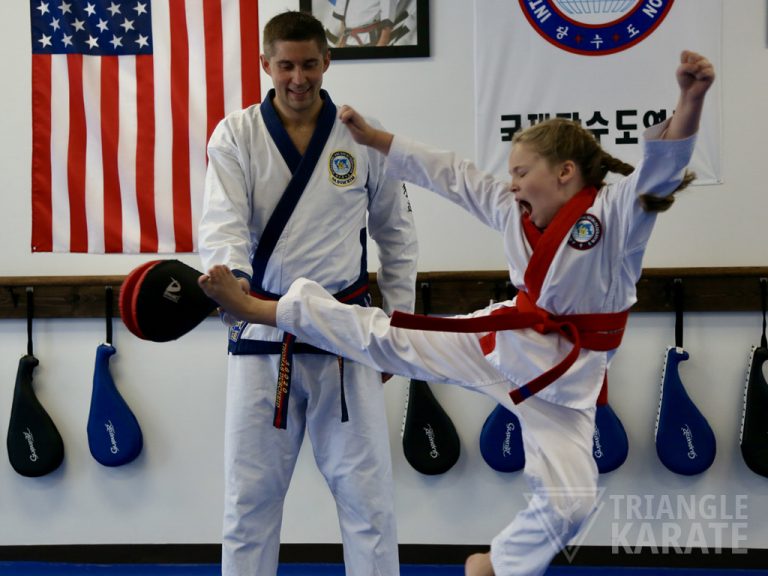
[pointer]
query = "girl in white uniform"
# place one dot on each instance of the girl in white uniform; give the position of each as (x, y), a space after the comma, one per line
(574, 248)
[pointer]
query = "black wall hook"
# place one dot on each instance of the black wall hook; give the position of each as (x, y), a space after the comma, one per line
(678, 298)
(764, 305)
(30, 315)
(426, 298)
(511, 290)
(108, 296)
(14, 296)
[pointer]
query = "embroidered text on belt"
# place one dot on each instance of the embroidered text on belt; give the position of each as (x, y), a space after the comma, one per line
(357, 293)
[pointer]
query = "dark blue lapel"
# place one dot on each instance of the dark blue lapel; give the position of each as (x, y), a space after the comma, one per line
(302, 168)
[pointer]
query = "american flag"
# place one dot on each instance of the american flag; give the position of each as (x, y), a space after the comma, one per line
(125, 94)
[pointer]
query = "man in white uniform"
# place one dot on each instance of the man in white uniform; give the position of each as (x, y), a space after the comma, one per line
(290, 194)
(574, 247)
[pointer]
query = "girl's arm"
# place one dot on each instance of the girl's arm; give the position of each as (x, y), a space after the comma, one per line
(363, 133)
(695, 76)
(460, 181)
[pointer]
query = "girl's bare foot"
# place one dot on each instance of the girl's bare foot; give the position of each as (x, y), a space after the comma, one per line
(479, 565)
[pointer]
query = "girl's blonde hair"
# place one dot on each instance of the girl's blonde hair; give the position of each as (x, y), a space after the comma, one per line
(559, 139)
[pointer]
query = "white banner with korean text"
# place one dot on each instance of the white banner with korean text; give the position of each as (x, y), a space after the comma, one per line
(608, 64)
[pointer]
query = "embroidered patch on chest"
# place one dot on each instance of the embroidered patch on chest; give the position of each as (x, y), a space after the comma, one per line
(585, 233)
(341, 168)
(235, 331)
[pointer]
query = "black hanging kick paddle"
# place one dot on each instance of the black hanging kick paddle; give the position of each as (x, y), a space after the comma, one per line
(753, 438)
(430, 442)
(35, 447)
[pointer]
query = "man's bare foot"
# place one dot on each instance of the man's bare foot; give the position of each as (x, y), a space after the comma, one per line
(222, 286)
(478, 565)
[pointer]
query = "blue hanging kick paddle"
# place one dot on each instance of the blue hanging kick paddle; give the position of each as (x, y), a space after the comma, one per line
(610, 445)
(35, 447)
(753, 438)
(685, 443)
(501, 441)
(114, 435)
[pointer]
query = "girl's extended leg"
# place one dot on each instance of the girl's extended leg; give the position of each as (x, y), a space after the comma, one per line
(562, 474)
(365, 335)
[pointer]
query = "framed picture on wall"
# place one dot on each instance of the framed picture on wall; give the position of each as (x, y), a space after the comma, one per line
(358, 29)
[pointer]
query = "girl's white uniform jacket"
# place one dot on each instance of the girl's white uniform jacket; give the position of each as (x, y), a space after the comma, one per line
(593, 272)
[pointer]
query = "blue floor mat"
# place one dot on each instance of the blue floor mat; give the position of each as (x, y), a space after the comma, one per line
(68, 569)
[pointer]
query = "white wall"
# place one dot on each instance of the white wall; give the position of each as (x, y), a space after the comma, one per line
(172, 493)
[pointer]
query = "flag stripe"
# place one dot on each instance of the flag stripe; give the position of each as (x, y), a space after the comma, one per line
(249, 49)
(233, 90)
(76, 149)
(110, 128)
(127, 153)
(145, 153)
(199, 112)
(94, 169)
(59, 144)
(42, 230)
(182, 211)
(214, 64)
(163, 180)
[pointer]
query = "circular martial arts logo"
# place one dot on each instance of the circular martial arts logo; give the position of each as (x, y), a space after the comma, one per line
(342, 168)
(595, 27)
(585, 233)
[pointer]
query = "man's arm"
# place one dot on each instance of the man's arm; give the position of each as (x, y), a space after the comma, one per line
(391, 226)
(223, 232)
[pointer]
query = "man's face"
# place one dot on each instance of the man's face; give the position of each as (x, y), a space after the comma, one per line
(296, 69)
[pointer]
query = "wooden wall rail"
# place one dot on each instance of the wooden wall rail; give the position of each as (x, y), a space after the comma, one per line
(706, 289)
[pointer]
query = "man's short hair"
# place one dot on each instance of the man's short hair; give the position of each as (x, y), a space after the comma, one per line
(294, 26)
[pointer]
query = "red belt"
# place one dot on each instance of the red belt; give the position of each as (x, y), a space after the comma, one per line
(600, 332)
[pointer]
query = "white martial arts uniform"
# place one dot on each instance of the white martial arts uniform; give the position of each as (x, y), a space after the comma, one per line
(404, 31)
(594, 270)
(324, 239)
(357, 13)
(362, 19)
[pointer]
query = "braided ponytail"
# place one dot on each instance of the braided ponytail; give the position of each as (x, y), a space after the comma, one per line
(652, 203)
(559, 139)
(600, 164)
(649, 202)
